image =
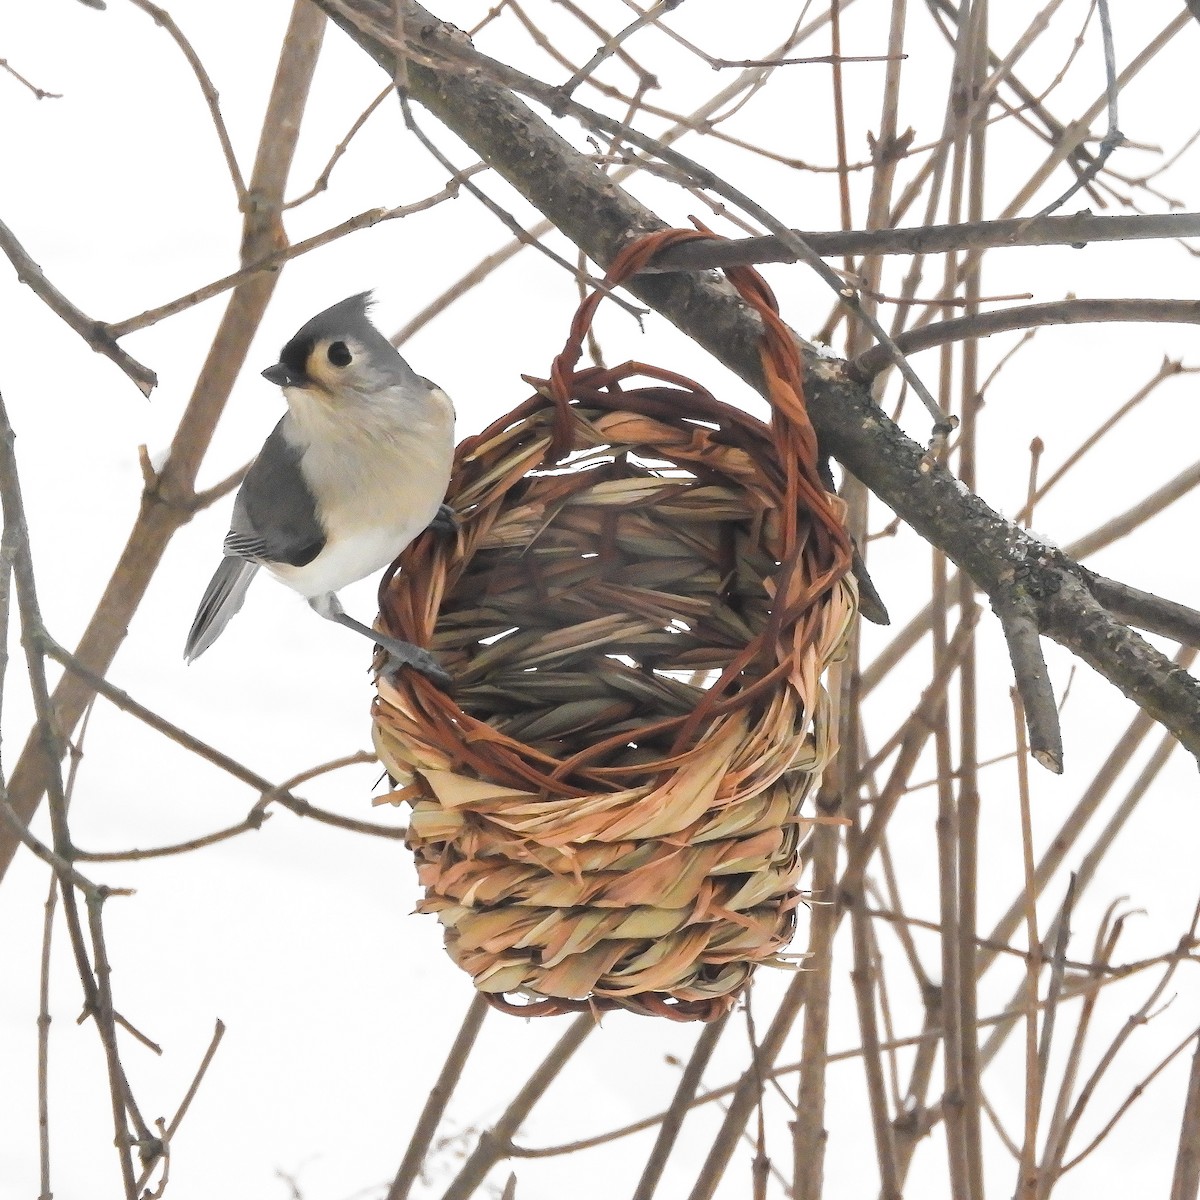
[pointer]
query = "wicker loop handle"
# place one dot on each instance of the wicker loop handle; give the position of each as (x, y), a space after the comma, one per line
(795, 437)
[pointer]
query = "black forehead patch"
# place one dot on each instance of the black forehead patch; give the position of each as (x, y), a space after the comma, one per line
(295, 354)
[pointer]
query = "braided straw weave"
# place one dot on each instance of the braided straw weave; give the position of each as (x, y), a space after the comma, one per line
(637, 610)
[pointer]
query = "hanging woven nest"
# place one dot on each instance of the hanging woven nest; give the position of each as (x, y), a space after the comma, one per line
(637, 610)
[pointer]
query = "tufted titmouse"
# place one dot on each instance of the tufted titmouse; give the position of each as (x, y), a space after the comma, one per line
(357, 467)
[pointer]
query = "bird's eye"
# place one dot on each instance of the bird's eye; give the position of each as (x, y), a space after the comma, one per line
(339, 354)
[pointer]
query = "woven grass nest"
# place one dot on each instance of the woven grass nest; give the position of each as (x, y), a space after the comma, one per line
(637, 610)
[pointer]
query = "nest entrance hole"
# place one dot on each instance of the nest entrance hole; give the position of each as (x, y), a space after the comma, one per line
(607, 597)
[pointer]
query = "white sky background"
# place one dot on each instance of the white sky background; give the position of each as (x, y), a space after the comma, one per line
(339, 1004)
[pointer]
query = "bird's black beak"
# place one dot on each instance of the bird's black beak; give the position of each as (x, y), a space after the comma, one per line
(284, 376)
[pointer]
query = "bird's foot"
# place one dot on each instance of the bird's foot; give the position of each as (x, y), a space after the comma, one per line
(445, 520)
(404, 654)
(400, 654)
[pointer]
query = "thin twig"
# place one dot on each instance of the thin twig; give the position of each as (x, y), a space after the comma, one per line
(809, 1134)
(1135, 1094)
(1026, 316)
(1168, 369)
(495, 1145)
(1134, 1021)
(164, 19)
(322, 180)
(1077, 230)
(273, 260)
(949, 890)
(16, 545)
(746, 1091)
(1072, 827)
(256, 817)
(970, 158)
(1185, 1183)
(44, 1019)
(439, 1097)
(912, 736)
(1113, 137)
(672, 1121)
(270, 792)
(649, 17)
(507, 219)
(38, 93)
(861, 979)
(1035, 1080)
(92, 332)
(102, 1013)
(169, 1130)
(1058, 969)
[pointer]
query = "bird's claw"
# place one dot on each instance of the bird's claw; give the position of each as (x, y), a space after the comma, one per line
(401, 655)
(445, 520)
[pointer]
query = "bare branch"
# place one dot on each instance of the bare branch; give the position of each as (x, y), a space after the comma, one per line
(494, 1146)
(270, 793)
(1186, 1182)
(276, 258)
(649, 17)
(322, 180)
(169, 1131)
(1147, 611)
(1018, 619)
(672, 1121)
(1076, 230)
(92, 332)
(439, 1098)
(38, 93)
(164, 19)
(1026, 316)
(1114, 137)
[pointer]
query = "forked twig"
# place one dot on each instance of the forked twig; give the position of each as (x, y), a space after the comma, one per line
(1113, 137)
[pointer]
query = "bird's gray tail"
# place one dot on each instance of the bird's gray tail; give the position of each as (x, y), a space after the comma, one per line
(223, 597)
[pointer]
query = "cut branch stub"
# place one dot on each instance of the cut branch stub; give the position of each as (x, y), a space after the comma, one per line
(637, 610)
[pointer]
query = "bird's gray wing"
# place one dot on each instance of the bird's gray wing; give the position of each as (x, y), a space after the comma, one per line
(275, 521)
(222, 598)
(275, 515)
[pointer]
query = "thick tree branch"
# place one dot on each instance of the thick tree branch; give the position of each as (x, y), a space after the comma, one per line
(461, 90)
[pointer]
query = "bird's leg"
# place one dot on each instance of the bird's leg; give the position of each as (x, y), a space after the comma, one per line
(400, 654)
(445, 520)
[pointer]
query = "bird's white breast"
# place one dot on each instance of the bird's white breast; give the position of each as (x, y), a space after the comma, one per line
(378, 469)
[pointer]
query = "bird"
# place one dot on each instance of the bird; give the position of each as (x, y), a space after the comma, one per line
(356, 468)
